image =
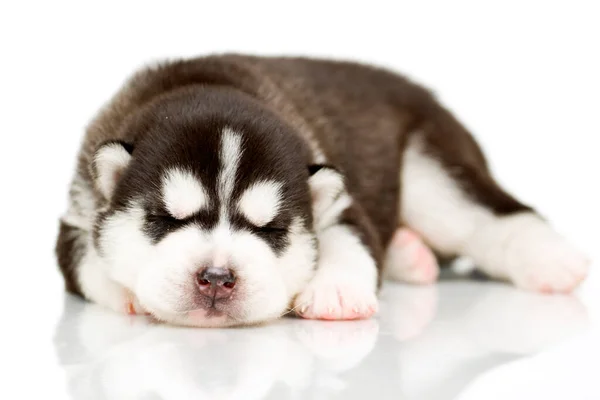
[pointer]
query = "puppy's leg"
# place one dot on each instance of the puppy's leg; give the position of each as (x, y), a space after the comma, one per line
(409, 259)
(346, 279)
(86, 274)
(451, 199)
(344, 286)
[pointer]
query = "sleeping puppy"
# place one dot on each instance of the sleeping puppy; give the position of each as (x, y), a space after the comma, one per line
(230, 190)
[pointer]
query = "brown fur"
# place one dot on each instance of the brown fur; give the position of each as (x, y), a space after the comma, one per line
(70, 247)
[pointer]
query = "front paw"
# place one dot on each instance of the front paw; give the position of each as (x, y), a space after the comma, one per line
(329, 299)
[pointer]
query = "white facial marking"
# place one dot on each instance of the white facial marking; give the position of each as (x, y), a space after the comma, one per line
(231, 152)
(260, 202)
(222, 236)
(183, 194)
(110, 162)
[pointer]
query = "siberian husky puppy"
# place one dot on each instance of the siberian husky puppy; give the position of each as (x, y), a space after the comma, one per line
(231, 190)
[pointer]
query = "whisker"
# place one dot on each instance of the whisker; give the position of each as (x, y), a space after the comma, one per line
(290, 310)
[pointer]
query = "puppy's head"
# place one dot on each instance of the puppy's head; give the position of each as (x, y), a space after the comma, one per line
(209, 215)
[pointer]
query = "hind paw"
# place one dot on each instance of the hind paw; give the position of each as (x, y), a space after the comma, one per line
(410, 260)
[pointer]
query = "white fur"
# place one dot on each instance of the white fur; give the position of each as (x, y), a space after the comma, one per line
(533, 255)
(521, 247)
(96, 284)
(345, 282)
(125, 248)
(433, 205)
(463, 265)
(110, 161)
(231, 152)
(260, 203)
(183, 194)
(298, 261)
(82, 205)
(329, 198)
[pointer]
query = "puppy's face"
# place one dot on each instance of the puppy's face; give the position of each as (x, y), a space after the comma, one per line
(208, 223)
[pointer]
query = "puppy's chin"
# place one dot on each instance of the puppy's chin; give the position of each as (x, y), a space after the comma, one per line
(198, 319)
(202, 318)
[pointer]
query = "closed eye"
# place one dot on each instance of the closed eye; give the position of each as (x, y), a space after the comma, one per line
(160, 214)
(162, 217)
(276, 228)
(270, 229)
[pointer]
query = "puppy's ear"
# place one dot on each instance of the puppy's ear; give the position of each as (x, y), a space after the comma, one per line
(329, 196)
(110, 160)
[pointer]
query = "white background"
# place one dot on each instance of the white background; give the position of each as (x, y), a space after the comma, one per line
(524, 76)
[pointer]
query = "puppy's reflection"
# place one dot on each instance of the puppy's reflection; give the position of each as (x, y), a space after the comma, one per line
(107, 356)
(458, 330)
(427, 343)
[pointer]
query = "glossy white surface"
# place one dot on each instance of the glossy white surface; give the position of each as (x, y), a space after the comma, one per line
(523, 76)
(455, 340)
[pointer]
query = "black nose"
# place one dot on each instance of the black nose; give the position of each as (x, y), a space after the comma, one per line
(216, 283)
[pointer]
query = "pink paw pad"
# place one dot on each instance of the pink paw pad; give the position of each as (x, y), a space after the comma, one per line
(410, 260)
(132, 306)
(564, 288)
(405, 237)
(332, 315)
(561, 280)
(334, 304)
(130, 309)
